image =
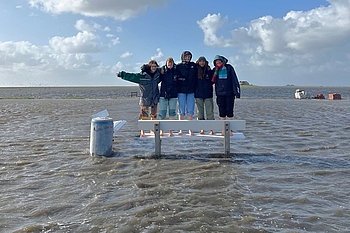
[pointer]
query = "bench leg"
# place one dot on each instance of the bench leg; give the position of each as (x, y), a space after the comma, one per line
(227, 137)
(157, 142)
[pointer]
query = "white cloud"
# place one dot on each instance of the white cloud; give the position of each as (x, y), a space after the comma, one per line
(83, 42)
(296, 32)
(86, 41)
(126, 54)
(118, 9)
(41, 65)
(115, 41)
(210, 24)
(300, 44)
(158, 56)
(110, 35)
(119, 29)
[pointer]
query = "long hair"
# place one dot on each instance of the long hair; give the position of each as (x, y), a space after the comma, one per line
(202, 70)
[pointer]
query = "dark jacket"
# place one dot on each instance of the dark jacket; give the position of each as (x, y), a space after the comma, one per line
(204, 87)
(186, 82)
(149, 91)
(168, 88)
(229, 86)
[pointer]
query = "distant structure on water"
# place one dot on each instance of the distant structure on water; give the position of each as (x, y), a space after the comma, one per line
(244, 83)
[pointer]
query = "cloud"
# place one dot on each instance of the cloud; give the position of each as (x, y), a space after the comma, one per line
(126, 54)
(158, 56)
(115, 41)
(86, 41)
(301, 44)
(297, 32)
(210, 24)
(83, 42)
(117, 9)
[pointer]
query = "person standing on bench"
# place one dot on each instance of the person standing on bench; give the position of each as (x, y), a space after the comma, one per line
(148, 81)
(204, 91)
(186, 86)
(168, 92)
(227, 87)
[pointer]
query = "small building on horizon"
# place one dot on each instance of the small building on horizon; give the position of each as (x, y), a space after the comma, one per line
(244, 83)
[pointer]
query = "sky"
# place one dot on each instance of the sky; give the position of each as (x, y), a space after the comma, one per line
(85, 43)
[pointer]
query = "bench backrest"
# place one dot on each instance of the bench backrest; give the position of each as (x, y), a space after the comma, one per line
(195, 125)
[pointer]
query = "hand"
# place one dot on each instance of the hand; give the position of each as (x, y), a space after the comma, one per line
(121, 74)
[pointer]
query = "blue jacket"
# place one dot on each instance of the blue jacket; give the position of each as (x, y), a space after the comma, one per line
(229, 86)
(204, 87)
(168, 88)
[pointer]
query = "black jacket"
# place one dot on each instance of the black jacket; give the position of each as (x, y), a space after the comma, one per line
(186, 82)
(204, 87)
(168, 88)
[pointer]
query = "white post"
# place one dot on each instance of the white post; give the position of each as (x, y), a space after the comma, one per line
(227, 132)
(157, 142)
(101, 136)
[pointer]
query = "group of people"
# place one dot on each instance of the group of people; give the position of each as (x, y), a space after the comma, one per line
(186, 84)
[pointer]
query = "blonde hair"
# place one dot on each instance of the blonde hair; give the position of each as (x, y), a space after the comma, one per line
(170, 59)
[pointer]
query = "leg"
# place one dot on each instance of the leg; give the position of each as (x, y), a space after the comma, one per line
(221, 102)
(162, 108)
(182, 107)
(200, 108)
(163, 103)
(230, 101)
(190, 109)
(209, 110)
(153, 114)
(200, 111)
(172, 112)
(143, 116)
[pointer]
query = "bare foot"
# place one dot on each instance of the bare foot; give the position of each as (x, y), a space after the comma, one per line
(211, 132)
(202, 131)
(142, 134)
(151, 132)
(231, 133)
(161, 133)
(171, 133)
(179, 133)
(190, 132)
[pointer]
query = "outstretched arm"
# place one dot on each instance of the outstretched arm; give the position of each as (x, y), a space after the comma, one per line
(132, 77)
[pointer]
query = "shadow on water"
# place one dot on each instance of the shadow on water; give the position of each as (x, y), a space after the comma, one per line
(248, 159)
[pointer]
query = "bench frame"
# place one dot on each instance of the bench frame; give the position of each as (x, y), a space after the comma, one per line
(133, 93)
(195, 125)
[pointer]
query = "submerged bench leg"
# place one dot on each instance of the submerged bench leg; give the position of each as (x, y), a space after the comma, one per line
(227, 137)
(157, 143)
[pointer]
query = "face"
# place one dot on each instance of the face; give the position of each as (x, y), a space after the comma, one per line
(187, 58)
(170, 64)
(201, 63)
(218, 62)
(154, 68)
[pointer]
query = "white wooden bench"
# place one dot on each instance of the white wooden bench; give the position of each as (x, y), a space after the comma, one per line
(217, 126)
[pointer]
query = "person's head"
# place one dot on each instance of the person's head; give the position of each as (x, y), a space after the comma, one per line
(186, 56)
(202, 61)
(153, 65)
(170, 62)
(219, 60)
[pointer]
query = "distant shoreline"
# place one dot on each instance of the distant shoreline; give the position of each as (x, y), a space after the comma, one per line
(136, 86)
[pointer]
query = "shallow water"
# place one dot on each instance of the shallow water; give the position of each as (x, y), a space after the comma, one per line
(290, 174)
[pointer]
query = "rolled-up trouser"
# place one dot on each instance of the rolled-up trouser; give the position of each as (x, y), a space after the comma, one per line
(144, 112)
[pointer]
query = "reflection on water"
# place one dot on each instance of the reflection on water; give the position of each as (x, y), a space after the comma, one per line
(290, 174)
